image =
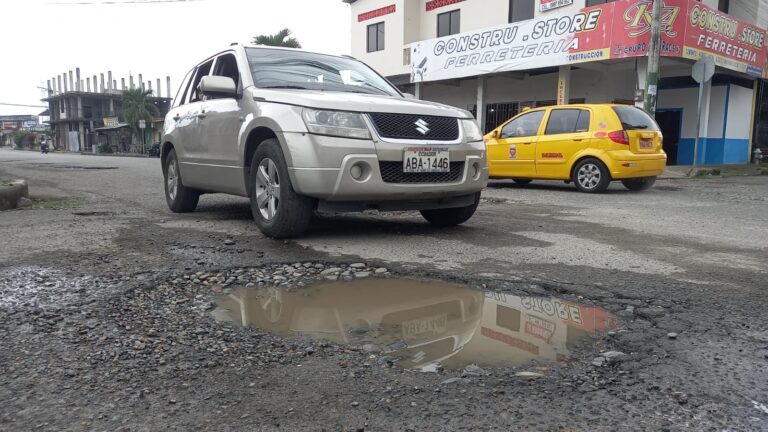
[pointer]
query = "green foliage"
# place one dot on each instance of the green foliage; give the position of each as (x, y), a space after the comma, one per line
(280, 39)
(138, 106)
(23, 138)
(104, 148)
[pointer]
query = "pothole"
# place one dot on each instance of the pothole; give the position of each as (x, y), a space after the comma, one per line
(421, 324)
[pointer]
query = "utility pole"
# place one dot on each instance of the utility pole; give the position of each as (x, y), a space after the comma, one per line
(654, 57)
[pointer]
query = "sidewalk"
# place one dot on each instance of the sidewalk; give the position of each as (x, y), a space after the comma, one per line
(681, 171)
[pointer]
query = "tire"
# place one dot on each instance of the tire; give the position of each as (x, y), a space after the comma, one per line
(278, 210)
(180, 198)
(639, 184)
(522, 181)
(451, 216)
(591, 176)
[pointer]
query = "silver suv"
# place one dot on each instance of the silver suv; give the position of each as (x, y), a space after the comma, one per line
(297, 132)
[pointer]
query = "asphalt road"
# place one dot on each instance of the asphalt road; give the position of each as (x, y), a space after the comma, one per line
(688, 257)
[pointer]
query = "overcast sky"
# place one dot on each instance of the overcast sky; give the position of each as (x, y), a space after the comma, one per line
(43, 38)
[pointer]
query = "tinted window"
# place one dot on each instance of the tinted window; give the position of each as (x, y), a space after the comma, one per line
(448, 23)
(376, 37)
(226, 65)
(521, 10)
(181, 95)
(632, 118)
(523, 126)
(288, 69)
(567, 121)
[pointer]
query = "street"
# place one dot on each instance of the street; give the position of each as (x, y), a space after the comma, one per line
(116, 314)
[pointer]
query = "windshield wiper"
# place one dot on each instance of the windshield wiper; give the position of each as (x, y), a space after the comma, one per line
(285, 86)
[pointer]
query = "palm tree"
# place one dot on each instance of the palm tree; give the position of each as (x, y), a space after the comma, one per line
(138, 106)
(279, 39)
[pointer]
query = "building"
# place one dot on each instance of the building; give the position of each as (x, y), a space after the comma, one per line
(14, 123)
(495, 57)
(88, 112)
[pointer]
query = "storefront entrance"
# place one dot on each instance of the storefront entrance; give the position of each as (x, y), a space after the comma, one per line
(670, 121)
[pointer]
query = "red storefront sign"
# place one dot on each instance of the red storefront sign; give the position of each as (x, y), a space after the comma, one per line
(386, 10)
(435, 4)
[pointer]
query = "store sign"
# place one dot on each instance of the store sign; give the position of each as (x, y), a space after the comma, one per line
(10, 125)
(110, 121)
(29, 124)
(619, 29)
(386, 10)
(547, 5)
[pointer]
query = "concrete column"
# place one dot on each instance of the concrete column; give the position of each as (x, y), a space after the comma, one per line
(66, 87)
(53, 85)
(59, 85)
(71, 82)
(122, 83)
(48, 87)
(564, 85)
(79, 107)
(482, 89)
(130, 79)
(111, 107)
(149, 85)
(158, 88)
(114, 84)
(102, 87)
(77, 77)
(418, 90)
(168, 86)
(109, 81)
(88, 84)
(141, 82)
(704, 131)
(81, 135)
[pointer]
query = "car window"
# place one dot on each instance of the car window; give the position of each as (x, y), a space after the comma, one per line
(202, 70)
(563, 121)
(181, 94)
(523, 126)
(633, 118)
(226, 65)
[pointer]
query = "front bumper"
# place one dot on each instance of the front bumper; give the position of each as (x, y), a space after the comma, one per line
(322, 168)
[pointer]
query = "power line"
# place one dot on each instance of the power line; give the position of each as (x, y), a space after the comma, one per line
(23, 105)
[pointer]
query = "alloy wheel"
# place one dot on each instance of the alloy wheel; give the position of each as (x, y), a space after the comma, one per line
(589, 176)
(172, 182)
(267, 189)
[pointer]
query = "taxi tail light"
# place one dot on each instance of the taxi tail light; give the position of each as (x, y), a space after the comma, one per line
(620, 137)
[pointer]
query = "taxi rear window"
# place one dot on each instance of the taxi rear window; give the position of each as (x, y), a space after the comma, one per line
(632, 118)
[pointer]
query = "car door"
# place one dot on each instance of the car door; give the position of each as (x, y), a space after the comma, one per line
(566, 134)
(513, 153)
(219, 122)
(188, 121)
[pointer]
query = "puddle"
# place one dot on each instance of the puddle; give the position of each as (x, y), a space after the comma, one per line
(421, 323)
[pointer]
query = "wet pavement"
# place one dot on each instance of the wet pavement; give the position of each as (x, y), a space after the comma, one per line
(421, 325)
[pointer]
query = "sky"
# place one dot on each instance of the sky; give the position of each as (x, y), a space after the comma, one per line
(155, 38)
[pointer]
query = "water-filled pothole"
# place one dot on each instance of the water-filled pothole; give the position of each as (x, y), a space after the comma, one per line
(421, 323)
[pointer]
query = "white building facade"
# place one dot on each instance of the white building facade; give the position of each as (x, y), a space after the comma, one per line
(495, 57)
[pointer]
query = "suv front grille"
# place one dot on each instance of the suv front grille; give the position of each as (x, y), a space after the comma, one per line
(415, 127)
(392, 172)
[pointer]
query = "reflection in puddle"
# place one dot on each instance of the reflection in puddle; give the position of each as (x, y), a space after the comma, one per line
(421, 323)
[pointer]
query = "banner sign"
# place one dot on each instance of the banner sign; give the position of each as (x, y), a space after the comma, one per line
(110, 121)
(614, 30)
(553, 4)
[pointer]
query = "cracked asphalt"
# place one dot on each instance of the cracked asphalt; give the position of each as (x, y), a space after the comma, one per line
(103, 327)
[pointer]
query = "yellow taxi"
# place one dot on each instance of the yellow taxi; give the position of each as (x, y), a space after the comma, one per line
(589, 145)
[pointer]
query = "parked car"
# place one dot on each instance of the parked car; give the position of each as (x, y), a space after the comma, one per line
(297, 131)
(589, 145)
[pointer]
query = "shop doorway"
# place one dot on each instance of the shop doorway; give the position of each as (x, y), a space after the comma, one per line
(670, 122)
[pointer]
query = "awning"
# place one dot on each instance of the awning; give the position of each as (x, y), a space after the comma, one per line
(112, 128)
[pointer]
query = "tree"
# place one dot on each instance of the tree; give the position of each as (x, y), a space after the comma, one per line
(279, 39)
(137, 106)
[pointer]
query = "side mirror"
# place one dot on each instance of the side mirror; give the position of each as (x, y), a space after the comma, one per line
(218, 86)
(409, 96)
(495, 134)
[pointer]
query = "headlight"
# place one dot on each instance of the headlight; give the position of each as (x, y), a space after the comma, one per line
(336, 123)
(471, 130)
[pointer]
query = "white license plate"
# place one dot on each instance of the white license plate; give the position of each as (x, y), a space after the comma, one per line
(433, 325)
(646, 143)
(426, 159)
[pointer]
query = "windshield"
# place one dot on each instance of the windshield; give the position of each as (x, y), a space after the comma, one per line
(635, 119)
(285, 69)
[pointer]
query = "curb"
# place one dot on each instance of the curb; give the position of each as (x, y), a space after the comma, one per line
(11, 194)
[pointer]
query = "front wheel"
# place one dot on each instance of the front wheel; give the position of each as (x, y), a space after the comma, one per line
(591, 176)
(180, 198)
(277, 209)
(451, 216)
(639, 184)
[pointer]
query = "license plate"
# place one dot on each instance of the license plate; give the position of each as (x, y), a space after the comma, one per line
(426, 159)
(433, 325)
(646, 143)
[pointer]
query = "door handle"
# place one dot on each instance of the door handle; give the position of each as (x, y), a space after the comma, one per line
(202, 114)
(176, 117)
(528, 143)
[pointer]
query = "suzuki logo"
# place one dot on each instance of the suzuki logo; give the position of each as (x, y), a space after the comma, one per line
(422, 126)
